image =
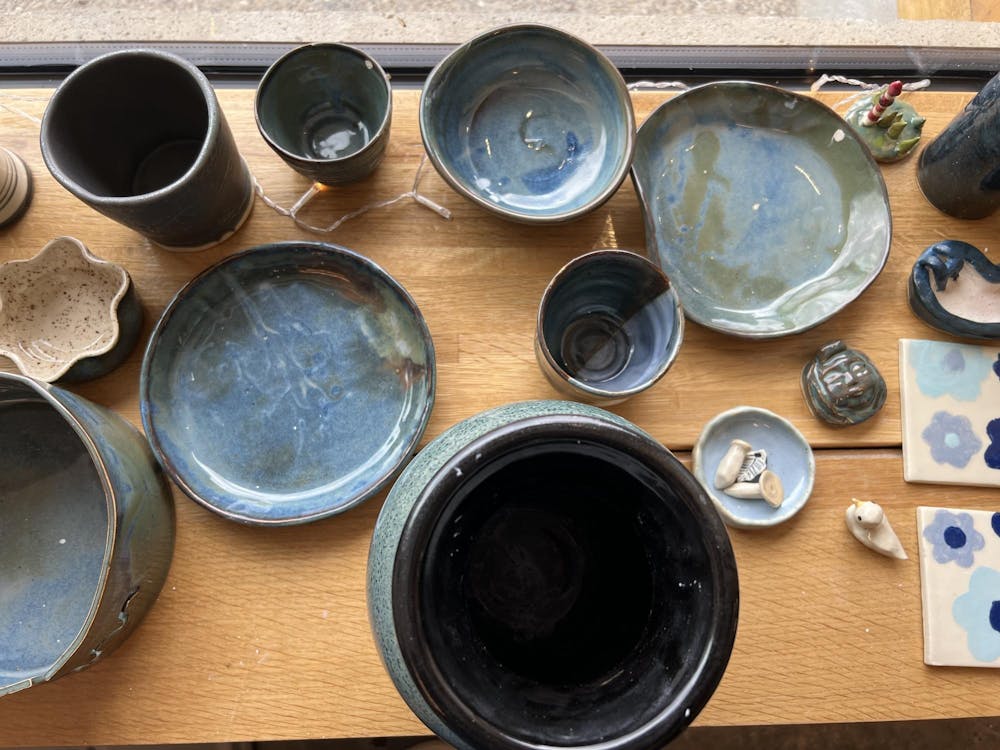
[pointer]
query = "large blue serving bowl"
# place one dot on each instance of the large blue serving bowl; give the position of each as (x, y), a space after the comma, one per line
(530, 123)
(287, 383)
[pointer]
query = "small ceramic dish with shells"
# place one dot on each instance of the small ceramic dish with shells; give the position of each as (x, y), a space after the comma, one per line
(67, 315)
(756, 466)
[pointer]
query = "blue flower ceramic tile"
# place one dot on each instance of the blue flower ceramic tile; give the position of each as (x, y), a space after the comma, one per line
(960, 586)
(951, 412)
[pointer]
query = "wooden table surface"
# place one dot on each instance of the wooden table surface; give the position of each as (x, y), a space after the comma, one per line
(262, 633)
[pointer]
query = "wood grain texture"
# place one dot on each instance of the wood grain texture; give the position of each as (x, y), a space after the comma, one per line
(262, 633)
(985, 10)
(928, 10)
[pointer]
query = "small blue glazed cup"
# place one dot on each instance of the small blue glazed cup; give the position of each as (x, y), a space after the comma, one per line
(139, 136)
(325, 109)
(530, 123)
(86, 531)
(609, 326)
(545, 574)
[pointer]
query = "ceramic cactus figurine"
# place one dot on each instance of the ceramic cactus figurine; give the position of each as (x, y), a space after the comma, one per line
(867, 522)
(889, 127)
(842, 386)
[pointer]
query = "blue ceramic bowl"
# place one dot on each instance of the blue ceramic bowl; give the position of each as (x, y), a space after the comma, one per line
(287, 383)
(609, 326)
(86, 531)
(530, 123)
(546, 575)
(788, 455)
(762, 205)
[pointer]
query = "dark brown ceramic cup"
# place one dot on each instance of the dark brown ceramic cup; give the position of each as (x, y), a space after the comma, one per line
(139, 136)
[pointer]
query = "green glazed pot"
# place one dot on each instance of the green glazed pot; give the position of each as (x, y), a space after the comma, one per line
(546, 574)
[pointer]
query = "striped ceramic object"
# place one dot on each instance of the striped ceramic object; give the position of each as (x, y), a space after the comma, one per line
(15, 187)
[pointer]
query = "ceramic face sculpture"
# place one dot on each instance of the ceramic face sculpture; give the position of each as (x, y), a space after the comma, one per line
(842, 385)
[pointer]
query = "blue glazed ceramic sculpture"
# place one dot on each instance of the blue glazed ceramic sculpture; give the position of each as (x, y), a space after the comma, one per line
(609, 326)
(545, 574)
(86, 532)
(955, 288)
(788, 456)
(842, 386)
(762, 206)
(287, 383)
(530, 123)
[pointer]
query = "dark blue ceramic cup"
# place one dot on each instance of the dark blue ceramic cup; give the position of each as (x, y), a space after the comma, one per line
(139, 136)
(325, 109)
(609, 326)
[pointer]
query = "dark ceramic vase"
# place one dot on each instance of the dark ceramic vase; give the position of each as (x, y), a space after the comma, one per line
(959, 172)
(544, 575)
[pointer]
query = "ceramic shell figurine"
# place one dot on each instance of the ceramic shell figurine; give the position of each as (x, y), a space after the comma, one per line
(15, 187)
(889, 127)
(842, 386)
(955, 288)
(867, 522)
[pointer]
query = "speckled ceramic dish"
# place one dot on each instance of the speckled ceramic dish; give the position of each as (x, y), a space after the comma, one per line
(86, 532)
(761, 205)
(530, 123)
(66, 314)
(287, 383)
(788, 455)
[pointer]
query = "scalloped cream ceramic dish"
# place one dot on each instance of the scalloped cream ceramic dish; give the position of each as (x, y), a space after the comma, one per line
(60, 310)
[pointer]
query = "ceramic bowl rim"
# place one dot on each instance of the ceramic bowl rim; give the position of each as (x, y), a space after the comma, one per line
(720, 632)
(89, 259)
(459, 185)
(191, 287)
(208, 138)
(623, 256)
(312, 161)
(866, 156)
(43, 390)
(698, 468)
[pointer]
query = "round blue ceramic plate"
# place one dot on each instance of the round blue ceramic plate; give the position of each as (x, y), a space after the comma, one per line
(287, 383)
(788, 455)
(763, 207)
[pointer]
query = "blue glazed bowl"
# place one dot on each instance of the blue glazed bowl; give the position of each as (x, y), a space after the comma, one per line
(545, 574)
(788, 455)
(609, 326)
(762, 205)
(530, 123)
(287, 383)
(86, 532)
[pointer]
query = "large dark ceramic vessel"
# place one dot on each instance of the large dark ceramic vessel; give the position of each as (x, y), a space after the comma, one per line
(545, 575)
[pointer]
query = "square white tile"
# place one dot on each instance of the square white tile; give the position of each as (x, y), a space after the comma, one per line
(950, 398)
(960, 586)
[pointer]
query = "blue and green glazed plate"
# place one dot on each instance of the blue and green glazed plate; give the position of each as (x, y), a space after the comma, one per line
(287, 383)
(761, 205)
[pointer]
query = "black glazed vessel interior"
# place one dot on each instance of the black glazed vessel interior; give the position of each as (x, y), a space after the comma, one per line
(576, 589)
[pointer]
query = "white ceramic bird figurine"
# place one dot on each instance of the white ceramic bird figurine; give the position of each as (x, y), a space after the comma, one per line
(868, 524)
